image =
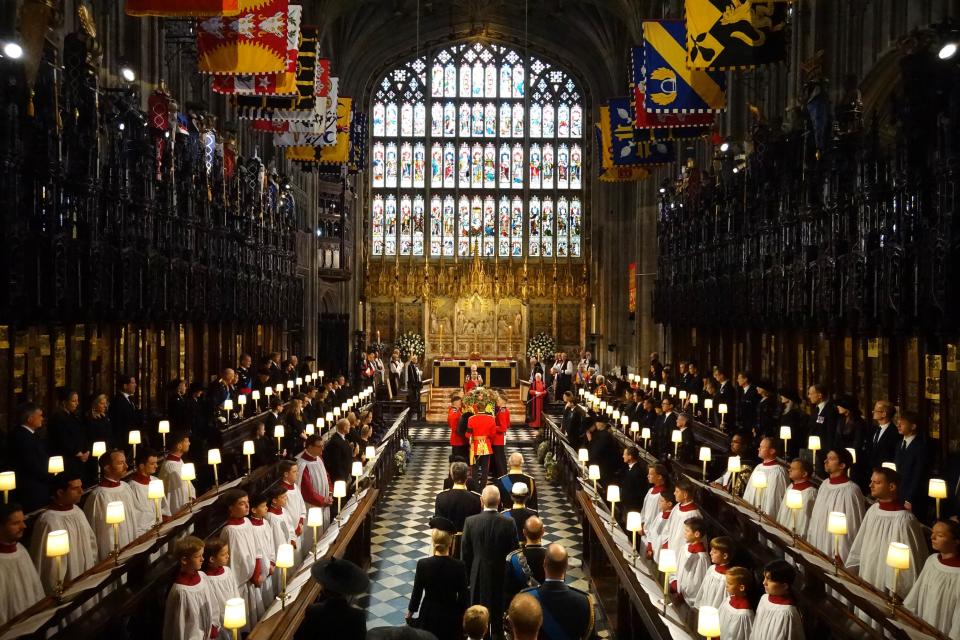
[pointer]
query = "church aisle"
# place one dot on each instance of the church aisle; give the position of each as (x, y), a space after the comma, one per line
(401, 534)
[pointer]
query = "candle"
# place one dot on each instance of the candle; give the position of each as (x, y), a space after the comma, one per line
(58, 545)
(114, 516)
(837, 525)
(898, 558)
(593, 318)
(156, 493)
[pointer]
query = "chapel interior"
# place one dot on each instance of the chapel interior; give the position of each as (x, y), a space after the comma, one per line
(329, 284)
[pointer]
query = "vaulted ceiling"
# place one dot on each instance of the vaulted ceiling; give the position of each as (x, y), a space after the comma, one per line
(590, 37)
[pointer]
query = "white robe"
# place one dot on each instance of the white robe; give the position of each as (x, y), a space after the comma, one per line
(146, 510)
(935, 596)
(83, 545)
(223, 586)
(179, 493)
(713, 589)
(678, 515)
(244, 553)
(20, 586)
(808, 496)
(95, 508)
(776, 622)
(281, 529)
(691, 568)
(320, 484)
(777, 481)
(649, 513)
(658, 534)
(844, 497)
(268, 549)
(736, 623)
(190, 611)
(869, 550)
(296, 514)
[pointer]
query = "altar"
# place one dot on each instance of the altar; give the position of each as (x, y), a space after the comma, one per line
(497, 372)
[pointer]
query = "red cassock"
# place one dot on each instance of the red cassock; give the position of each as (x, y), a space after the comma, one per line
(482, 427)
(503, 424)
(469, 386)
(537, 393)
(453, 419)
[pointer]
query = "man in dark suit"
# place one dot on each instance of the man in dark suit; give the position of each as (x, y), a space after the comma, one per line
(799, 422)
(663, 430)
(694, 383)
(883, 441)
(823, 416)
(487, 539)
(413, 385)
(29, 458)
(272, 419)
(747, 400)
(525, 565)
(338, 453)
(724, 395)
(633, 482)
(514, 475)
(912, 465)
(687, 449)
(124, 414)
(457, 503)
(245, 374)
(222, 390)
(567, 612)
(604, 451)
(333, 616)
(572, 420)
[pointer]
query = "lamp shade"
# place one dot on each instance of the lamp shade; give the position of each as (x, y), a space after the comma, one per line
(115, 513)
(99, 448)
(937, 488)
(268, 391)
(255, 394)
(733, 464)
(616, 415)
(340, 489)
(708, 622)
(163, 426)
(653, 384)
(646, 382)
(581, 391)
(645, 433)
(55, 464)
(722, 408)
(672, 391)
(234, 614)
(213, 456)
(133, 437)
(594, 472)
(758, 479)
(667, 563)
(321, 423)
(228, 405)
(813, 443)
(285, 556)
(278, 431)
(278, 388)
(609, 410)
(676, 436)
(683, 394)
(58, 543)
(336, 412)
(603, 405)
(633, 521)
(889, 465)
(624, 420)
(315, 517)
(155, 489)
(188, 472)
(309, 429)
(661, 387)
(793, 499)
(289, 384)
(634, 427)
(708, 403)
(853, 454)
(613, 493)
(8, 481)
(694, 398)
(370, 452)
(357, 469)
(583, 455)
(785, 432)
(705, 454)
(837, 523)
(299, 381)
(898, 556)
(248, 448)
(321, 373)
(242, 399)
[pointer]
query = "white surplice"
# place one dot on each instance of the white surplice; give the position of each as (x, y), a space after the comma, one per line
(776, 621)
(935, 595)
(808, 496)
(868, 553)
(95, 508)
(777, 481)
(263, 533)
(190, 611)
(245, 560)
(713, 590)
(146, 509)
(314, 467)
(650, 512)
(179, 493)
(658, 534)
(296, 514)
(678, 515)
(223, 586)
(20, 586)
(736, 619)
(83, 544)
(693, 561)
(843, 496)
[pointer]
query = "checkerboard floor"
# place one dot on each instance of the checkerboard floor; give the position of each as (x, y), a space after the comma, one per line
(519, 434)
(401, 534)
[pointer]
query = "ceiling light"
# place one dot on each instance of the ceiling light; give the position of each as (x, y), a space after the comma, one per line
(947, 51)
(127, 73)
(13, 50)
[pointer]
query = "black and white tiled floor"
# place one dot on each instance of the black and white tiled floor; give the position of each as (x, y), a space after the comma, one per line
(519, 435)
(401, 534)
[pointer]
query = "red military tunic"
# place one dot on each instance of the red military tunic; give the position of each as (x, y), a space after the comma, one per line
(503, 424)
(482, 427)
(453, 419)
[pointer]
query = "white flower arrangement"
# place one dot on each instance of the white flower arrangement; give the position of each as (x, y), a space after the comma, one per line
(542, 346)
(411, 343)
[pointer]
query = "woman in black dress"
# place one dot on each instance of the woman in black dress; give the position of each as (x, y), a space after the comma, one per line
(445, 581)
(98, 429)
(67, 433)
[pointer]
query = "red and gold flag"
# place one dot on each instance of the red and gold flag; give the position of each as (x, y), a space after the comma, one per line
(255, 41)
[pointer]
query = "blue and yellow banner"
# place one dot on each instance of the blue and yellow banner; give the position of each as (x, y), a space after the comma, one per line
(670, 85)
(609, 173)
(735, 34)
(627, 145)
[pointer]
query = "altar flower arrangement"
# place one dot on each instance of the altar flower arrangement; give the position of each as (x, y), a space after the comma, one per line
(542, 346)
(480, 400)
(410, 343)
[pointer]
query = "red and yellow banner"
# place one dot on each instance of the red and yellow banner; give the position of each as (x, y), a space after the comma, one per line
(632, 279)
(182, 8)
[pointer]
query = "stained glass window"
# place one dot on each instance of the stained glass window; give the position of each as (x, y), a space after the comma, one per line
(466, 182)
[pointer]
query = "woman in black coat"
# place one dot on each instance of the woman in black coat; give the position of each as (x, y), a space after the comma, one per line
(68, 436)
(447, 594)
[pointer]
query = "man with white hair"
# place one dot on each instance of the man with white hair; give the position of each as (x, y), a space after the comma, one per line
(519, 511)
(487, 539)
(514, 475)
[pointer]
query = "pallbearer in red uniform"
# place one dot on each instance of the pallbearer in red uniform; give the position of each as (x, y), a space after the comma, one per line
(537, 392)
(481, 427)
(458, 444)
(500, 437)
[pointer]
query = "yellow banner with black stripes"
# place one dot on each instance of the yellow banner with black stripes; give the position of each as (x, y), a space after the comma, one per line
(736, 34)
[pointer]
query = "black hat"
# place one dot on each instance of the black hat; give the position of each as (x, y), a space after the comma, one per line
(847, 402)
(196, 386)
(790, 395)
(439, 522)
(340, 576)
(763, 383)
